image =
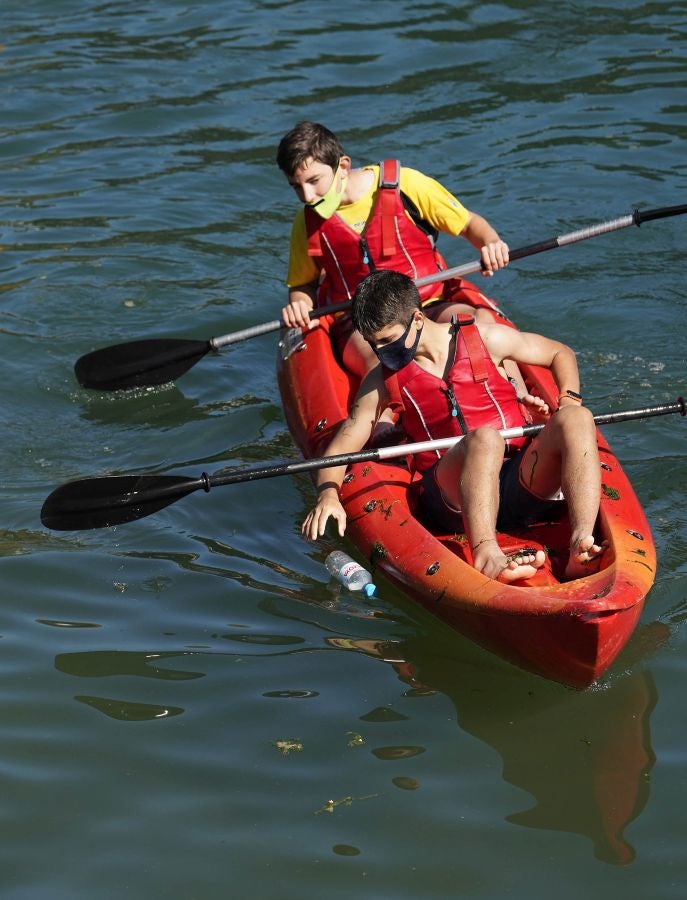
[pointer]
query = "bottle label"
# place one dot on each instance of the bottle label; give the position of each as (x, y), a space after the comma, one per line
(349, 569)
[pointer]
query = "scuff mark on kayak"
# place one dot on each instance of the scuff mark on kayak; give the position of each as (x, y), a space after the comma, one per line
(386, 508)
(378, 551)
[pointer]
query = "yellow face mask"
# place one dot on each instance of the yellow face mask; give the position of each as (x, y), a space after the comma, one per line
(327, 205)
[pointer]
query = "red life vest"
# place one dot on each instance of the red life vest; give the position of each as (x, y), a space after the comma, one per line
(475, 395)
(390, 240)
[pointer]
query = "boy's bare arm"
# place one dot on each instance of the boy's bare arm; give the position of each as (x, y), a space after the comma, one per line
(352, 435)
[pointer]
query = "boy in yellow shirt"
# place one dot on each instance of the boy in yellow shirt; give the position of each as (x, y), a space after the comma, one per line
(355, 221)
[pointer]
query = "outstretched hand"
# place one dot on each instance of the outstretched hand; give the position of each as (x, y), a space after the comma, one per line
(315, 522)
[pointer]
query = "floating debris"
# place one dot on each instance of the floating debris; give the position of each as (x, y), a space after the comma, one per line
(356, 740)
(331, 805)
(288, 746)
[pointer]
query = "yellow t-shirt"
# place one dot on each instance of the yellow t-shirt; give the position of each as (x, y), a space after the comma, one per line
(436, 205)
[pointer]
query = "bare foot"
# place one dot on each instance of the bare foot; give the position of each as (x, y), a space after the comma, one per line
(491, 561)
(583, 559)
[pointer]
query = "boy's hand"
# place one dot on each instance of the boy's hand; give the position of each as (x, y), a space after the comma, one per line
(297, 315)
(494, 256)
(315, 522)
(535, 404)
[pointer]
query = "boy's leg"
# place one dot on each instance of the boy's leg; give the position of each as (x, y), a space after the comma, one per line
(468, 476)
(565, 456)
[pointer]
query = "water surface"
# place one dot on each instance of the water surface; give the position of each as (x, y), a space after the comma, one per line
(189, 708)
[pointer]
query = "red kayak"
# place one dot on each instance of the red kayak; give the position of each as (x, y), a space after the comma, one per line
(569, 631)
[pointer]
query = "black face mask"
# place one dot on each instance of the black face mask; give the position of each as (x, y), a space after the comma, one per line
(395, 355)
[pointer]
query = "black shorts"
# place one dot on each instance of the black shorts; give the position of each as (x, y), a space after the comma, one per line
(518, 507)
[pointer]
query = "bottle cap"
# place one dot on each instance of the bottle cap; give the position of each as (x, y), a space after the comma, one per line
(369, 589)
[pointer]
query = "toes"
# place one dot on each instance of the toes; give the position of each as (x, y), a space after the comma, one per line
(588, 550)
(528, 556)
(517, 573)
(522, 564)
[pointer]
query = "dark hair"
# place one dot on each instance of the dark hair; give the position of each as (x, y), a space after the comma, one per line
(384, 298)
(308, 140)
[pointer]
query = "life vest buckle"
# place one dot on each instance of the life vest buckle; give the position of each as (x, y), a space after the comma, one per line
(389, 173)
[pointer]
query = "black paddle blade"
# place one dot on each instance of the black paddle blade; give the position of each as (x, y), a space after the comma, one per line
(139, 363)
(113, 500)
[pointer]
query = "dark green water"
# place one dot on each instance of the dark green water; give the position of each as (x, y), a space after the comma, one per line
(188, 708)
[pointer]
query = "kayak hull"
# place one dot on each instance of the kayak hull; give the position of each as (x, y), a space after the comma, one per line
(566, 631)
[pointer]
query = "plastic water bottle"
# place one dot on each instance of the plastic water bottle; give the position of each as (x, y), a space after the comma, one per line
(349, 572)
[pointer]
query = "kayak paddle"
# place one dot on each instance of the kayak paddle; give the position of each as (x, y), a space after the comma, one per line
(115, 499)
(160, 360)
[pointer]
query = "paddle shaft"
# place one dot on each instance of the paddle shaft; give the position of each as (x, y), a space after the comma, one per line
(254, 331)
(582, 234)
(116, 499)
(381, 453)
(147, 363)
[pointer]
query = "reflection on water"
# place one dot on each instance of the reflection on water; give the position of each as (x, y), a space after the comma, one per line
(140, 200)
(397, 752)
(128, 711)
(55, 623)
(106, 663)
(584, 756)
(24, 541)
(163, 407)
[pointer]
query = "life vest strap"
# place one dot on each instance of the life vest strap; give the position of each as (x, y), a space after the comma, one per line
(389, 181)
(312, 229)
(473, 344)
(395, 401)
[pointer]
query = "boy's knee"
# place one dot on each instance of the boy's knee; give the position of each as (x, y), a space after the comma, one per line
(574, 416)
(485, 440)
